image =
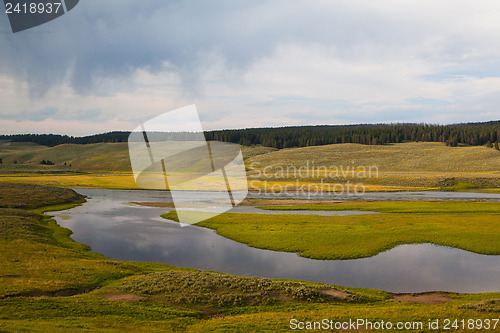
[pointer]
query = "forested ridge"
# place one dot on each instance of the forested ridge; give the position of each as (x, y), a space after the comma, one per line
(303, 136)
(486, 133)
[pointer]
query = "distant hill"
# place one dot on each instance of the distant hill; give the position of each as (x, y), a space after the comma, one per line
(90, 157)
(475, 134)
(419, 164)
(27, 156)
(414, 164)
(403, 157)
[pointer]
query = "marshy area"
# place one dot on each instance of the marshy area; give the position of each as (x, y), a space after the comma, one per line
(49, 282)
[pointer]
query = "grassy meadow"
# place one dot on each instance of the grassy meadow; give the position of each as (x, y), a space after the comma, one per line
(414, 207)
(49, 283)
(405, 166)
(472, 226)
(410, 165)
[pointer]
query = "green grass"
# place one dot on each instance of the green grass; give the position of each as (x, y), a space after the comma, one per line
(27, 196)
(91, 157)
(216, 292)
(490, 190)
(460, 186)
(470, 226)
(91, 313)
(86, 158)
(40, 267)
(85, 313)
(418, 206)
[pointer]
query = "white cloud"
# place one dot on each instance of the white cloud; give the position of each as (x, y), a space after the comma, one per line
(112, 65)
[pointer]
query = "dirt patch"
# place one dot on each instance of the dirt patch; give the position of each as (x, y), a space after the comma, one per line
(335, 293)
(124, 297)
(423, 298)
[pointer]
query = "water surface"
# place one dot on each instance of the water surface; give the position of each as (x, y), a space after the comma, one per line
(127, 232)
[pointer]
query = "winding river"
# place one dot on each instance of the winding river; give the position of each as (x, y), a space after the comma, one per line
(111, 226)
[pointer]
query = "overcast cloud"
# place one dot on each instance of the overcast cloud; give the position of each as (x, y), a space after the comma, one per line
(112, 64)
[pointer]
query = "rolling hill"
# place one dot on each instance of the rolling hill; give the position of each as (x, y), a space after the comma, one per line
(86, 158)
(412, 164)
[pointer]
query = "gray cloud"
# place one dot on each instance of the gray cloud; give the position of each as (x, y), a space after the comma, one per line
(113, 37)
(51, 113)
(389, 58)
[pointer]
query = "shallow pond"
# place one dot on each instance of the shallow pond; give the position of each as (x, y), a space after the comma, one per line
(128, 232)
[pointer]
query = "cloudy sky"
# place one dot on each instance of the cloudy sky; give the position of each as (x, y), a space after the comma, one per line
(112, 64)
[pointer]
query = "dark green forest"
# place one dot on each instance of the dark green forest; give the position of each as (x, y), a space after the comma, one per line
(286, 137)
(475, 134)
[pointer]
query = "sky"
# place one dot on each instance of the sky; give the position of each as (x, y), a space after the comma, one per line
(113, 64)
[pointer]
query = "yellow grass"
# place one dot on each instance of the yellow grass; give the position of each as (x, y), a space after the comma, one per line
(104, 180)
(405, 166)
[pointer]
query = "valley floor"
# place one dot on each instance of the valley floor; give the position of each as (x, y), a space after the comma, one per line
(49, 283)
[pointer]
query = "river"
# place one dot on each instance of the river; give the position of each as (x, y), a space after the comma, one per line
(111, 226)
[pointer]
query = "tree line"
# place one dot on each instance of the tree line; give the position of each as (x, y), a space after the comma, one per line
(52, 140)
(474, 134)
